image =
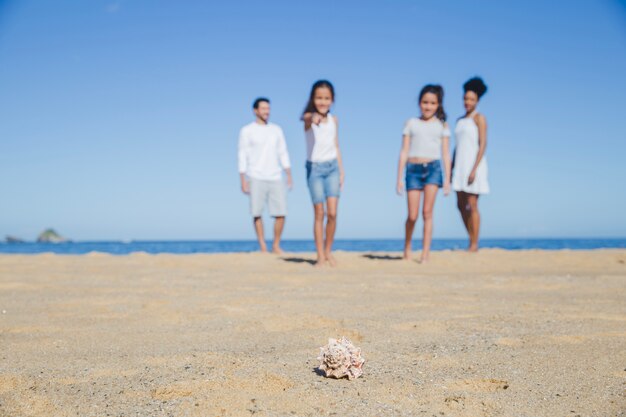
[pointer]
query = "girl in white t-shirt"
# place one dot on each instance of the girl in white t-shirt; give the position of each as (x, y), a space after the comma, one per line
(425, 148)
(324, 168)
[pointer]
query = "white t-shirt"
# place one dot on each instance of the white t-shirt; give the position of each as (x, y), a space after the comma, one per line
(263, 151)
(425, 137)
(321, 145)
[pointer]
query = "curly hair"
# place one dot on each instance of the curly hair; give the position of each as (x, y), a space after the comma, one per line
(476, 85)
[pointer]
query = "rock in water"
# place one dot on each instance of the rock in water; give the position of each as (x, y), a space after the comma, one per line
(50, 236)
(13, 239)
(341, 358)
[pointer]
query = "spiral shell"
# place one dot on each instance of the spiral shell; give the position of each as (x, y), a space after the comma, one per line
(341, 358)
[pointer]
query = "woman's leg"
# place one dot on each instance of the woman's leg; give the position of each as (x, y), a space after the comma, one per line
(413, 202)
(430, 193)
(318, 233)
(461, 203)
(331, 226)
(474, 221)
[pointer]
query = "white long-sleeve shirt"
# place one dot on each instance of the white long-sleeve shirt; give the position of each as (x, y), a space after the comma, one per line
(263, 151)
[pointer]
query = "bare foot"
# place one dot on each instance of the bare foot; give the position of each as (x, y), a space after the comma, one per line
(424, 259)
(407, 255)
(320, 262)
(277, 251)
(331, 259)
(473, 248)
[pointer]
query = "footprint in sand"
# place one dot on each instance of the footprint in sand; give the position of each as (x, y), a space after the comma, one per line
(479, 385)
(470, 406)
(169, 393)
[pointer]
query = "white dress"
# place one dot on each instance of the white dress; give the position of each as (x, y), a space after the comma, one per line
(466, 134)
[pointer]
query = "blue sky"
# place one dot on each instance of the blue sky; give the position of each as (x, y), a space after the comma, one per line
(119, 119)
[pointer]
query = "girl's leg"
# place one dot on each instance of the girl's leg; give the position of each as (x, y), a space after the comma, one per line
(331, 226)
(461, 200)
(318, 233)
(474, 221)
(430, 193)
(413, 202)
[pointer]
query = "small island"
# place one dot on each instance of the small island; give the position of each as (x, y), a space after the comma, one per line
(13, 239)
(50, 236)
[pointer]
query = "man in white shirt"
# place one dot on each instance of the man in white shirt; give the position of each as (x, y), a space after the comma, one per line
(262, 158)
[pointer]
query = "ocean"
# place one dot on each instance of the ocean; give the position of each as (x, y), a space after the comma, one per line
(356, 245)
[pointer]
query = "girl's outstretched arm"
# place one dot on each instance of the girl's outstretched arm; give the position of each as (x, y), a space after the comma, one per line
(307, 119)
(481, 122)
(447, 165)
(311, 118)
(342, 175)
(404, 156)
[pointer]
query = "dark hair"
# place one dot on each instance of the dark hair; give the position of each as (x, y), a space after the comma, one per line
(438, 91)
(260, 100)
(476, 85)
(310, 105)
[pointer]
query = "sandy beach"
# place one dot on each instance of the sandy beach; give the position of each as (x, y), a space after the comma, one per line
(499, 333)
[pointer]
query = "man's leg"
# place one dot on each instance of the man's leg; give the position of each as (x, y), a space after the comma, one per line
(257, 204)
(278, 209)
(279, 224)
(258, 228)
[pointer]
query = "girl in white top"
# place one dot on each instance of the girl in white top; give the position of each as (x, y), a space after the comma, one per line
(425, 148)
(470, 164)
(325, 173)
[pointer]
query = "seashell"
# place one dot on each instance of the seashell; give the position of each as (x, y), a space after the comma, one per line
(341, 358)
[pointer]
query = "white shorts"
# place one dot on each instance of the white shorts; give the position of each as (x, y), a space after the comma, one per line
(272, 193)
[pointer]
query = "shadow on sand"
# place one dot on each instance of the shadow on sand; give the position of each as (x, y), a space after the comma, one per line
(299, 260)
(319, 372)
(382, 257)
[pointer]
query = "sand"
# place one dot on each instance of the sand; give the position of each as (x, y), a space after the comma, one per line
(499, 333)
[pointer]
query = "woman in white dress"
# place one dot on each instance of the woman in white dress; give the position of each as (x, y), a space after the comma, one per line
(469, 178)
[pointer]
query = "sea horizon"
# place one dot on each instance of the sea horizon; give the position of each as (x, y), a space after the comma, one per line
(190, 246)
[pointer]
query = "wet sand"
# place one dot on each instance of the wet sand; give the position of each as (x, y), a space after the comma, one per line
(499, 333)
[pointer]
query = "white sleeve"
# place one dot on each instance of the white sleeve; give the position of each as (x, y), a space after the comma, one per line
(283, 155)
(243, 151)
(407, 128)
(446, 131)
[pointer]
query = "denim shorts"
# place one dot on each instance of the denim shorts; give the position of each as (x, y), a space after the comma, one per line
(323, 180)
(418, 175)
